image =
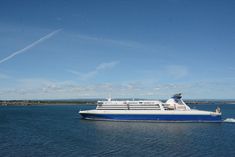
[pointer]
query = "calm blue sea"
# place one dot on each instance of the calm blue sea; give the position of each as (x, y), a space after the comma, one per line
(58, 131)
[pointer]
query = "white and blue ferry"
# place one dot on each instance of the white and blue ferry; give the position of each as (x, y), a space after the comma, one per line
(173, 110)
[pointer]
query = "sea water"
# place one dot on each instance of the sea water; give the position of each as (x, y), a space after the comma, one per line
(59, 131)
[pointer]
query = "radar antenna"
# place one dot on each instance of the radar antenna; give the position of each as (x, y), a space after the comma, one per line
(177, 96)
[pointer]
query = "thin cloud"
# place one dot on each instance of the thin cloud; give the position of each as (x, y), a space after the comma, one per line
(39, 88)
(132, 44)
(98, 69)
(30, 46)
(177, 71)
(104, 66)
(3, 76)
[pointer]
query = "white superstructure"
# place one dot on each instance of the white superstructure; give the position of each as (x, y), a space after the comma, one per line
(174, 103)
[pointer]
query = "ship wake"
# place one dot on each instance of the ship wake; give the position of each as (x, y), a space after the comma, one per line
(229, 120)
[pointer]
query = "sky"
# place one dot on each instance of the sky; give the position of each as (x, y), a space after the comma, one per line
(72, 49)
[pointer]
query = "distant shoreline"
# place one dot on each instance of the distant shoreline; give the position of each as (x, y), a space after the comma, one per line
(93, 102)
(43, 102)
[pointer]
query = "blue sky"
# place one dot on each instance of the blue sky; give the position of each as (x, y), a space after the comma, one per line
(129, 49)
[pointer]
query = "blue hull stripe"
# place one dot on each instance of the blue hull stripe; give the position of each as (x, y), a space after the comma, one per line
(152, 117)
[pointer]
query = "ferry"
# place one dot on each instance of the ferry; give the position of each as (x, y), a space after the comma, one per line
(173, 110)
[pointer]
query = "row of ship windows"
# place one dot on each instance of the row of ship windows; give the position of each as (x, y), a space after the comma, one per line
(117, 105)
(130, 105)
(128, 109)
(120, 103)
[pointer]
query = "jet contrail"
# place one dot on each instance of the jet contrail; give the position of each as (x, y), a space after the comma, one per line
(30, 46)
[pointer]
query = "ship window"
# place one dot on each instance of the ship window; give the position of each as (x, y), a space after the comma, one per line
(100, 103)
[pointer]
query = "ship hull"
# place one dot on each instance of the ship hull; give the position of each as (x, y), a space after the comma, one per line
(154, 117)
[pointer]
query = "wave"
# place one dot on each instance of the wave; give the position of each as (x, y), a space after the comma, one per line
(229, 120)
